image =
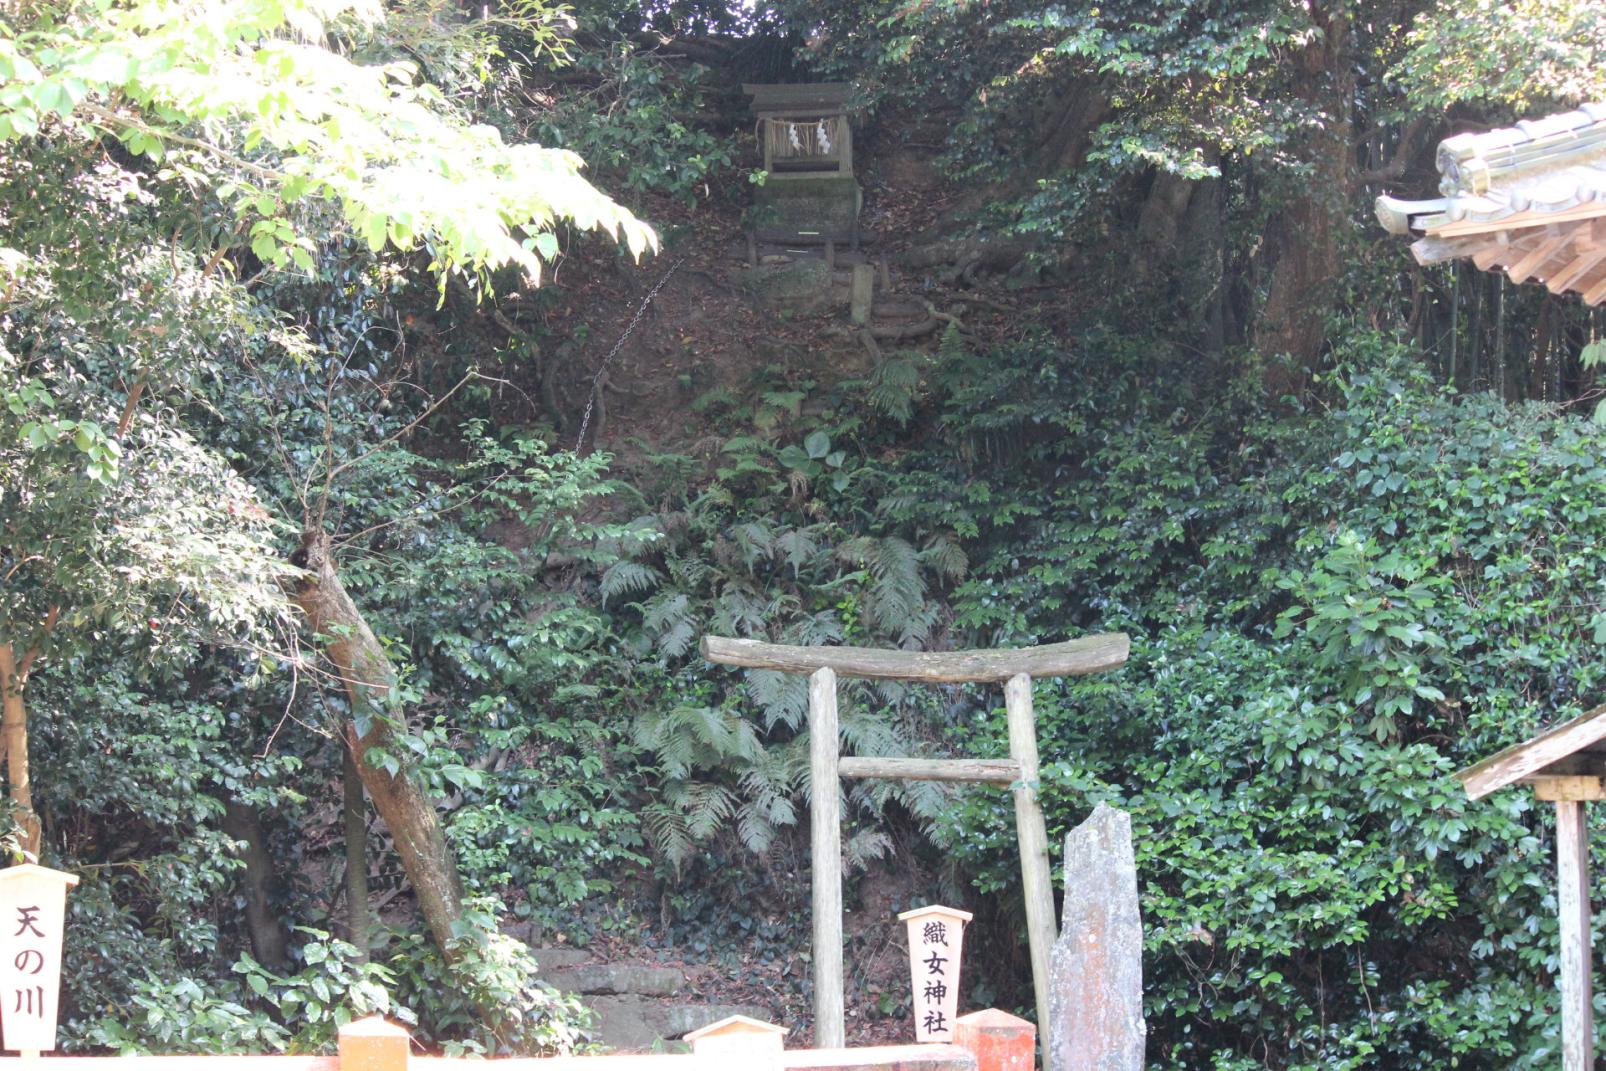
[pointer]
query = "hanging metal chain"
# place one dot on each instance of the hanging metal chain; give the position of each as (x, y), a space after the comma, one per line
(596, 380)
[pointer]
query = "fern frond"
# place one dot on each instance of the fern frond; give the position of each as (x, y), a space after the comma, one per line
(870, 734)
(951, 347)
(667, 830)
(625, 577)
(944, 556)
(782, 698)
(668, 620)
(754, 541)
(739, 611)
(797, 548)
(818, 628)
(864, 846)
(706, 805)
(896, 589)
(892, 388)
(755, 831)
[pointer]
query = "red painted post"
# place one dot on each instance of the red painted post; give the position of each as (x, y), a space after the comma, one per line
(999, 1041)
(372, 1044)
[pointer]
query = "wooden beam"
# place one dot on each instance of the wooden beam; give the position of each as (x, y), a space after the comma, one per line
(1555, 788)
(1576, 269)
(1438, 250)
(1090, 654)
(1597, 293)
(1536, 257)
(1521, 761)
(1037, 883)
(1572, 903)
(1592, 236)
(991, 771)
(1491, 255)
(825, 826)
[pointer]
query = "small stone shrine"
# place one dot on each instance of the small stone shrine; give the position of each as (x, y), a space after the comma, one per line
(809, 195)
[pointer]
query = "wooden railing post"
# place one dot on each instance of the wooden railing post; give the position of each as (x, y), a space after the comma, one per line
(998, 1040)
(372, 1044)
(825, 812)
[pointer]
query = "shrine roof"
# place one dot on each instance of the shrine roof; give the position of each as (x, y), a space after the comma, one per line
(937, 910)
(1528, 199)
(798, 98)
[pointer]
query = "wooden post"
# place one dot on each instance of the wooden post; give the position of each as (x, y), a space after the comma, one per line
(998, 1040)
(372, 1044)
(1572, 902)
(825, 814)
(1036, 882)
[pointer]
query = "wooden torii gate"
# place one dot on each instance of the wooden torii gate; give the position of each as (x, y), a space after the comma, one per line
(1014, 669)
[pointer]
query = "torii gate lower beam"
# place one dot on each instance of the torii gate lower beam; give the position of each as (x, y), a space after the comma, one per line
(1015, 669)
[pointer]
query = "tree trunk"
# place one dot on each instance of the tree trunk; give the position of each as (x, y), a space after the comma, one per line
(1302, 292)
(369, 679)
(356, 854)
(14, 740)
(269, 941)
(1162, 216)
(1068, 133)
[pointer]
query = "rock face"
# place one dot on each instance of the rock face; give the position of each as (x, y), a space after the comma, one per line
(801, 288)
(636, 1023)
(1096, 970)
(631, 1000)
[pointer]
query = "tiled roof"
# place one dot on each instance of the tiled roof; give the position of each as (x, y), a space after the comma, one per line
(1530, 199)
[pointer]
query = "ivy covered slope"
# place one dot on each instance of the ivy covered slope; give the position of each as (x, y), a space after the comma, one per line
(1331, 613)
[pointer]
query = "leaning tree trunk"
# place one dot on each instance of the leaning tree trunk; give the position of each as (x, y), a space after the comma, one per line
(369, 679)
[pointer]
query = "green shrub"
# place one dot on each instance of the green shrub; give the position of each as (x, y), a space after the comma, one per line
(1317, 891)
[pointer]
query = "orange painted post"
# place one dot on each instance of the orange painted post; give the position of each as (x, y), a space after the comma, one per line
(999, 1041)
(372, 1044)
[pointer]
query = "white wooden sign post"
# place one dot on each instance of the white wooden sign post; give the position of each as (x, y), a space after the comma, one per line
(936, 944)
(33, 909)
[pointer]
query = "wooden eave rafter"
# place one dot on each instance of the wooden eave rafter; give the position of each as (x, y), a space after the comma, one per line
(1561, 751)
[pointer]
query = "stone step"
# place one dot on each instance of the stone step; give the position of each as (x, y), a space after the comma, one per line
(558, 958)
(632, 1022)
(614, 978)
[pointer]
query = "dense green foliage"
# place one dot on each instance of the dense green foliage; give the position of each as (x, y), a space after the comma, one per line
(252, 286)
(1331, 613)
